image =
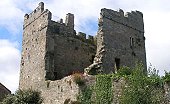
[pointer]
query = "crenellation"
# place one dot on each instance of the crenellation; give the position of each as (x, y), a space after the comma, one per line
(132, 19)
(34, 16)
(38, 10)
(61, 21)
(82, 36)
(40, 7)
(121, 12)
(58, 28)
(90, 37)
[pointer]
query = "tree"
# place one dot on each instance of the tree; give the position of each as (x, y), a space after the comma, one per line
(23, 97)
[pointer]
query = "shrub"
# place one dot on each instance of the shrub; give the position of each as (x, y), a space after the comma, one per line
(85, 95)
(23, 97)
(166, 78)
(124, 71)
(79, 79)
(142, 89)
(9, 99)
(103, 89)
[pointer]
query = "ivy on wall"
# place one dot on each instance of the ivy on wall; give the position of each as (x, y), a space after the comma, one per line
(103, 89)
(140, 88)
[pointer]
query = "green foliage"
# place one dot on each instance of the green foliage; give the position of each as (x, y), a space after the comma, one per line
(85, 96)
(153, 77)
(124, 71)
(103, 89)
(141, 89)
(152, 71)
(24, 97)
(166, 78)
(79, 79)
(9, 99)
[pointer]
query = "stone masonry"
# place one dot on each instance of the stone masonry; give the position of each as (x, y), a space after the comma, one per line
(52, 50)
(120, 40)
(3, 92)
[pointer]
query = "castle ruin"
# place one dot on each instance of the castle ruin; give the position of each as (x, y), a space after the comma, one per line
(52, 50)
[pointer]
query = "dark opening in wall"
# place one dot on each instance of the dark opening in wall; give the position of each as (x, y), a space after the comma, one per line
(22, 64)
(117, 62)
(92, 59)
(133, 53)
(76, 48)
(131, 42)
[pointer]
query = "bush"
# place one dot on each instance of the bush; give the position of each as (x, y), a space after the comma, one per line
(9, 99)
(23, 97)
(103, 89)
(166, 78)
(85, 95)
(79, 79)
(124, 71)
(142, 89)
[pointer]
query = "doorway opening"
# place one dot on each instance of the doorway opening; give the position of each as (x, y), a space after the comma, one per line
(117, 63)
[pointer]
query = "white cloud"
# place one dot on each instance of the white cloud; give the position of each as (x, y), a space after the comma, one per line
(158, 39)
(9, 64)
(10, 16)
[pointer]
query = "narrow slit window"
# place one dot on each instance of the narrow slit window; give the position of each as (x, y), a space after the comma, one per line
(131, 42)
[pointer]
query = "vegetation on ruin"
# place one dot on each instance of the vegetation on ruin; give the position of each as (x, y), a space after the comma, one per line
(86, 95)
(23, 97)
(166, 78)
(79, 79)
(103, 89)
(140, 87)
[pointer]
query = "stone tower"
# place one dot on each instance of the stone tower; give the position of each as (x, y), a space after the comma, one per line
(52, 50)
(120, 40)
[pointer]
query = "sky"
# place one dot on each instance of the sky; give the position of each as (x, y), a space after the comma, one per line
(156, 23)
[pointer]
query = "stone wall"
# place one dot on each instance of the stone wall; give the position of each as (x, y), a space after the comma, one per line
(67, 52)
(120, 40)
(32, 73)
(58, 91)
(3, 92)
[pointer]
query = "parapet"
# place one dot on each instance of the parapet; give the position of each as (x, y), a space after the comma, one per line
(89, 39)
(133, 19)
(81, 35)
(29, 18)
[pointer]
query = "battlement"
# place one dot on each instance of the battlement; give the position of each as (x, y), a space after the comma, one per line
(44, 18)
(82, 36)
(38, 12)
(63, 29)
(133, 19)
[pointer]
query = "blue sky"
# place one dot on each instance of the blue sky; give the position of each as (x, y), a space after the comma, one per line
(156, 20)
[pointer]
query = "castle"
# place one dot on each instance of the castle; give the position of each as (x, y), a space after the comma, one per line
(52, 50)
